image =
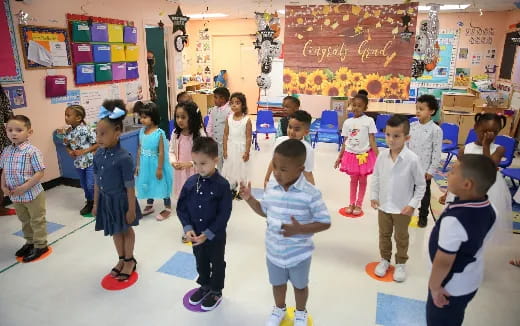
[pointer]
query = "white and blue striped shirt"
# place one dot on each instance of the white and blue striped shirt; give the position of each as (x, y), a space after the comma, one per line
(302, 201)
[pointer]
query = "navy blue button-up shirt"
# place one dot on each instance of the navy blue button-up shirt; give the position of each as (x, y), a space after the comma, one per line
(205, 205)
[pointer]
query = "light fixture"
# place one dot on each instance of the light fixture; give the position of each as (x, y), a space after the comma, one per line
(446, 7)
(208, 15)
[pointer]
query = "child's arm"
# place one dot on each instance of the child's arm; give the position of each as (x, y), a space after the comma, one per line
(340, 156)
(249, 136)
(160, 163)
(224, 142)
(137, 159)
(130, 214)
(442, 264)
(184, 214)
(374, 185)
(420, 189)
(436, 153)
(209, 127)
(309, 176)
(36, 178)
(245, 193)
(96, 195)
(320, 217)
(172, 155)
(373, 144)
(268, 173)
(5, 189)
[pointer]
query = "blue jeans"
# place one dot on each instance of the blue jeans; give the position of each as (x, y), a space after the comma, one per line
(86, 179)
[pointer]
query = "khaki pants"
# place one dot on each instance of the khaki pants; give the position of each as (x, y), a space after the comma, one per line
(387, 224)
(32, 216)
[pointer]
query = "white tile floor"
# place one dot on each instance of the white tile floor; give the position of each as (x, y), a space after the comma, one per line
(64, 289)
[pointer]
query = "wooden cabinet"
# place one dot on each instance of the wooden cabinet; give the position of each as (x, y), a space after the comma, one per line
(204, 102)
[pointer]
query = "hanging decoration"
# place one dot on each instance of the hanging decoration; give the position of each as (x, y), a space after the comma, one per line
(179, 21)
(426, 44)
(268, 30)
(406, 35)
(23, 17)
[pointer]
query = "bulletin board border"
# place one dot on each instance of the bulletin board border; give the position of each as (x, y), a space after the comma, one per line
(18, 78)
(44, 29)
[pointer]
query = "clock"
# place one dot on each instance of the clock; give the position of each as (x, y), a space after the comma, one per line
(179, 43)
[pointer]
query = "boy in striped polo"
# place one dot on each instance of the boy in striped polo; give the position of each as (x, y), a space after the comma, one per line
(458, 240)
(295, 211)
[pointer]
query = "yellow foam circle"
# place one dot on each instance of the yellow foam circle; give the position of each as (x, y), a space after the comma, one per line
(414, 222)
(289, 318)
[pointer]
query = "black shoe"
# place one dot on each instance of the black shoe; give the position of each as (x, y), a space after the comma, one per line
(199, 296)
(34, 254)
(25, 250)
(88, 208)
(211, 301)
(422, 222)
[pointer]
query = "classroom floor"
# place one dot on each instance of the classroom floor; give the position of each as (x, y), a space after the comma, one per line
(64, 289)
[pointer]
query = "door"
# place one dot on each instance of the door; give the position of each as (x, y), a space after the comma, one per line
(236, 54)
(155, 44)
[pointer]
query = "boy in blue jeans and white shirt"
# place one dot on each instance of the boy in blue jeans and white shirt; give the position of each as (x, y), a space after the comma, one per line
(295, 211)
(458, 240)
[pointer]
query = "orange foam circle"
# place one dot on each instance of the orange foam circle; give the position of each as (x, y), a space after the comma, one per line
(42, 257)
(370, 268)
(343, 212)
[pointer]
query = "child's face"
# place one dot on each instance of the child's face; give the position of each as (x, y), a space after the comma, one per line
(395, 137)
(297, 129)
(358, 107)
(107, 135)
(236, 105)
(489, 127)
(72, 118)
(181, 117)
(17, 132)
(423, 112)
(204, 164)
(219, 100)
(290, 107)
(146, 120)
(457, 183)
(285, 170)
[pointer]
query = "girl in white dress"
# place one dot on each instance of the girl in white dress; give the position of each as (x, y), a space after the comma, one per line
(237, 143)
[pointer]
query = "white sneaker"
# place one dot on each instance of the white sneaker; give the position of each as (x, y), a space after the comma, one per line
(400, 272)
(277, 316)
(300, 318)
(382, 268)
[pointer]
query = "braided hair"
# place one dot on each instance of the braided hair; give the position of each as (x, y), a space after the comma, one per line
(499, 119)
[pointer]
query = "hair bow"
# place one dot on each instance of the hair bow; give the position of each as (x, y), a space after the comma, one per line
(116, 114)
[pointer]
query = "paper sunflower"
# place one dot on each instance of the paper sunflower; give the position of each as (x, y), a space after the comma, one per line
(331, 89)
(302, 79)
(374, 84)
(356, 79)
(393, 87)
(289, 76)
(317, 78)
(342, 75)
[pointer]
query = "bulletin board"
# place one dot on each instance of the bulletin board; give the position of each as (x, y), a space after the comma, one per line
(10, 70)
(45, 47)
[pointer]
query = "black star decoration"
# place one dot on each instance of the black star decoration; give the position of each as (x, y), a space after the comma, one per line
(179, 21)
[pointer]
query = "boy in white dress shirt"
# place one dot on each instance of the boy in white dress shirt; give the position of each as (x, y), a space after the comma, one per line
(397, 187)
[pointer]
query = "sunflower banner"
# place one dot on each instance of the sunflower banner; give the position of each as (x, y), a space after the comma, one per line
(336, 50)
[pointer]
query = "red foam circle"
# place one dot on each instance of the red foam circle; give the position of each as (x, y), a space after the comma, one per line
(113, 284)
(42, 257)
(343, 212)
(389, 277)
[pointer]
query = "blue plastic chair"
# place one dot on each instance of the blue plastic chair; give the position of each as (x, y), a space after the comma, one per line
(513, 174)
(264, 125)
(350, 115)
(381, 121)
(472, 136)
(328, 125)
(413, 119)
(171, 127)
(206, 120)
(450, 131)
(509, 144)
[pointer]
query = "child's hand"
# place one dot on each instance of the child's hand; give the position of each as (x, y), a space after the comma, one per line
(190, 236)
(159, 174)
(407, 210)
(266, 181)
(225, 155)
(6, 191)
(71, 153)
(428, 176)
(374, 204)
(197, 241)
(245, 190)
(440, 297)
(136, 172)
(338, 162)
(130, 216)
(442, 199)
(245, 157)
(294, 228)
(79, 152)
(187, 165)
(176, 165)
(488, 137)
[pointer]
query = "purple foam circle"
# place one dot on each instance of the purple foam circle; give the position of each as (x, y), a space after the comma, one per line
(189, 306)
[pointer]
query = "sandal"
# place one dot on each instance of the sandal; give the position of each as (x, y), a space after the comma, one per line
(515, 262)
(148, 210)
(123, 277)
(349, 209)
(357, 211)
(115, 270)
(161, 217)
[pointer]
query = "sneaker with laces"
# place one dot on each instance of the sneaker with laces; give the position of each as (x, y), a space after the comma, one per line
(277, 316)
(199, 296)
(211, 301)
(382, 268)
(300, 318)
(400, 273)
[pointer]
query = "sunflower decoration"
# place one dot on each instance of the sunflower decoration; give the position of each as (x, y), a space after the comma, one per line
(289, 77)
(302, 79)
(331, 89)
(347, 90)
(356, 79)
(393, 87)
(342, 75)
(317, 78)
(309, 90)
(375, 85)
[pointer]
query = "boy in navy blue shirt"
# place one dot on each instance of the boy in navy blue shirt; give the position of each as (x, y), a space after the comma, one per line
(204, 208)
(457, 241)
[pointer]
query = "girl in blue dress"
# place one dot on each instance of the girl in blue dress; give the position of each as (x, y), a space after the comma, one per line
(154, 172)
(115, 206)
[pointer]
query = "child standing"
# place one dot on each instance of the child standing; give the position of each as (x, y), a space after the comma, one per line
(358, 152)
(299, 127)
(218, 116)
(237, 143)
(396, 190)
(80, 142)
(115, 206)
(204, 209)
(426, 142)
(153, 171)
(22, 170)
(458, 240)
(295, 210)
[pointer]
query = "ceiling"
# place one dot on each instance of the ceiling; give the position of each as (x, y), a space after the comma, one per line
(245, 8)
